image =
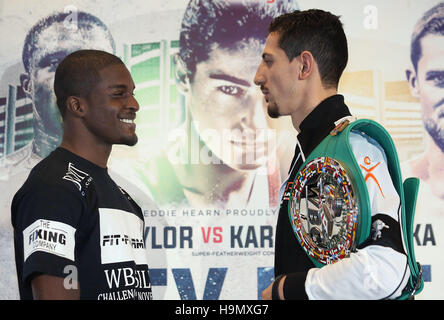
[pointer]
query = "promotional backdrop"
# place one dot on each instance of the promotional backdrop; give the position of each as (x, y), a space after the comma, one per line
(209, 162)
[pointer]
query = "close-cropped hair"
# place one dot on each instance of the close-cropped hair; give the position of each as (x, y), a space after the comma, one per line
(78, 74)
(319, 32)
(432, 22)
(84, 21)
(225, 23)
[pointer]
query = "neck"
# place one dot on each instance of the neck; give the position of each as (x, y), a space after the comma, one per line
(430, 167)
(435, 161)
(312, 98)
(209, 184)
(86, 148)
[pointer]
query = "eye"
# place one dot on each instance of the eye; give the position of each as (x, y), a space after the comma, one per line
(54, 62)
(120, 94)
(49, 62)
(232, 90)
(437, 78)
(268, 62)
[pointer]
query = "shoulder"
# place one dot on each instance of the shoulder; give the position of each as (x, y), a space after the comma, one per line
(47, 195)
(365, 147)
(50, 178)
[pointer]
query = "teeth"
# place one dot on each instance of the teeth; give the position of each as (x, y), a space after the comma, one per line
(127, 120)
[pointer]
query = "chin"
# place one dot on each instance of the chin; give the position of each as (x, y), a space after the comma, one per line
(129, 141)
(247, 166)
(273, 112)
(244, 159)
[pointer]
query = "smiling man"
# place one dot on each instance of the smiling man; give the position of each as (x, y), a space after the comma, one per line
(50, 40)
(77, 234)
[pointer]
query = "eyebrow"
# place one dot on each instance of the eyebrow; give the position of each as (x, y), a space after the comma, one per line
(266, 55)
(432, 73)
(119, 86)
(226, 77)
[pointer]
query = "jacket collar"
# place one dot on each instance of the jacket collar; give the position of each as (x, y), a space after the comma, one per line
(318, 124)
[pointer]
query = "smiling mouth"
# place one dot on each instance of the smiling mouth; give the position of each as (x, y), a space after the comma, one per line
(250, 145)
(129, 121)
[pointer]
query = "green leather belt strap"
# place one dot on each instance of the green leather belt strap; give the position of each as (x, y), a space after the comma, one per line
(407, 192)
(337, 146)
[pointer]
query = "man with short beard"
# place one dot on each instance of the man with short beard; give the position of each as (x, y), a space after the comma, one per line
(426, 81)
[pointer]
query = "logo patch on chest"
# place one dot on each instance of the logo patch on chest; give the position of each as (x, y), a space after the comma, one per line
(77, 176)
(121, 237)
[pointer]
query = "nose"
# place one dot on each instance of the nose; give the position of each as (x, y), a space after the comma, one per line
(259, 77)
(133, 104)
(253, 116)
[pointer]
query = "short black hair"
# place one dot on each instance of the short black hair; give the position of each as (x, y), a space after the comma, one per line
(78, 74)
(84, 21)
(226, 23)
(319, 32)
(432, 22)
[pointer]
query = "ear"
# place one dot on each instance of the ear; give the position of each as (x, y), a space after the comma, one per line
(307, 65)
(182, 75)
(25, 82)
(412, 79)
(75, 106)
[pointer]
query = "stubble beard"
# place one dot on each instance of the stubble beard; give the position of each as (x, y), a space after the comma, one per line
(436, 132)
(273, 110)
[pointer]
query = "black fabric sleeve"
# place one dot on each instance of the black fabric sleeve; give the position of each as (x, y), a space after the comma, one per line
(386, 232)
(45, 220)
(294, 286)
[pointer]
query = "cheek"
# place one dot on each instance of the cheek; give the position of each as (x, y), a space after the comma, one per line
(204, 107)
(210, 125)
(430, 98)
(105, 116)
(277, 83)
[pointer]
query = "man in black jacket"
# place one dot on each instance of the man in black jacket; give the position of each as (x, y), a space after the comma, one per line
(304, 57)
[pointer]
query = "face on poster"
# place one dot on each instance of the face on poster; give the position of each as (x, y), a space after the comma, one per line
(214, 118)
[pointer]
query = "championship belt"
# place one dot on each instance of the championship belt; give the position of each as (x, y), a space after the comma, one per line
(329, 207)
